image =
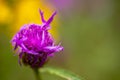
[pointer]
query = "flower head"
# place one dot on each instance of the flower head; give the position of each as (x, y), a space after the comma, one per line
(35, 43)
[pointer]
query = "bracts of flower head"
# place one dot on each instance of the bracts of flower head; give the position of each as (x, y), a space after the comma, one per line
(35, 43)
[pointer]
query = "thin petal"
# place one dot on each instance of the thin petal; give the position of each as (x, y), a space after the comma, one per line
(20, 57)
(16, 46)
(32, 52)
(52, 49)
(49, 20)
(43, 38)
(42, 16)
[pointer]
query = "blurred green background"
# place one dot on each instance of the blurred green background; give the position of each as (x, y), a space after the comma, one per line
(88, 29)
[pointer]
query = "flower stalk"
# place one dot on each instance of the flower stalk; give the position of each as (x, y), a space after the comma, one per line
(37, 74)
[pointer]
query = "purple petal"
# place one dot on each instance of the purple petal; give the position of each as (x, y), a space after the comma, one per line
(15, 46)
(20, 57)
(42, 16)
(52, 49)
(46, 25)
(43, 37)
(51, 18)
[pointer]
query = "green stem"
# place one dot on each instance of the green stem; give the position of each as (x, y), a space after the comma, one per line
(37, 75)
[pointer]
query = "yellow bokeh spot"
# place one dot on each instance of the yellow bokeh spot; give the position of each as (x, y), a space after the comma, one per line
(27, 12)
(5, 13)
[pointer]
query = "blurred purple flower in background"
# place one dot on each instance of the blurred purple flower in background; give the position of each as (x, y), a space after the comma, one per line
(63, 4)
(66, 8)
(35, 43)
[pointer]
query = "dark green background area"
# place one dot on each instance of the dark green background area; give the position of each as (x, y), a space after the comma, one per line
(90, 34)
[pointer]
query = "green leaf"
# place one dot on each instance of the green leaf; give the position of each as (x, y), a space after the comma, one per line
(60, 72)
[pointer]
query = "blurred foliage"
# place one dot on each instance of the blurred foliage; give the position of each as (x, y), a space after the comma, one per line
(60, 72)
(89, 30)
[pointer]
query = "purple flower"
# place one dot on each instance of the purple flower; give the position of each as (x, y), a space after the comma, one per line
(34, 43)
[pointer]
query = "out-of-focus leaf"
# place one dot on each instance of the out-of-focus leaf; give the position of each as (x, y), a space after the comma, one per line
(60, 72)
